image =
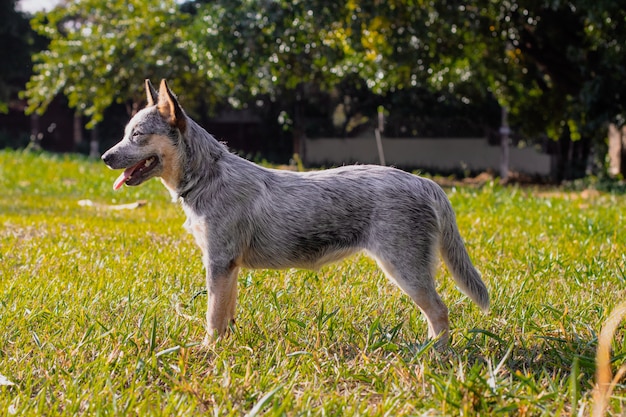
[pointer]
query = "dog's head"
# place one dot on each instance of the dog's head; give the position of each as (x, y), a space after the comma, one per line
(149, 147)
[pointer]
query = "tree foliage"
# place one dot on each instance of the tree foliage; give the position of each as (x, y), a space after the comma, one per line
(257, 46)
(99, 51)
(18, 42)
(557, 66)
(251, 48)
(552, 63)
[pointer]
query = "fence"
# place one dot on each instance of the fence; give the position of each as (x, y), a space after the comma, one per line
(440, 154)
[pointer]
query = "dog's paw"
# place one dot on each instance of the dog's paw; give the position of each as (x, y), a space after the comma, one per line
(208, 341)
(211, 338)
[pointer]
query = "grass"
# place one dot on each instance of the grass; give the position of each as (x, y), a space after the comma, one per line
(88, 300)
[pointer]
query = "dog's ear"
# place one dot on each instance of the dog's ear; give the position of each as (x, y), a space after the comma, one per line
(169, 108)
(151, 94)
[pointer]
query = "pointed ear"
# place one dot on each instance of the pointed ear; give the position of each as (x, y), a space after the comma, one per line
(169, 108)
(151, 94)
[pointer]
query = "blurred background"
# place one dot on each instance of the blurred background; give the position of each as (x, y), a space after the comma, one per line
(533, 87)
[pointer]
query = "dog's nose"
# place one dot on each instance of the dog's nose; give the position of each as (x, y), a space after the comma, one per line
(107, 158)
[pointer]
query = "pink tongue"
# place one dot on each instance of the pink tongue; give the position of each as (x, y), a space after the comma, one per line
(124, 176)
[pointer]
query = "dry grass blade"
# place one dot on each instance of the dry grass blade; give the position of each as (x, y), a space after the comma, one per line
(5, 381)
(605, 382)
(129, 206)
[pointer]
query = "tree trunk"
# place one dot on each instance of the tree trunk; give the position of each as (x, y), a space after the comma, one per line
(573, 156)
(581, 150)
(35, 133)
(617, 150)
(505, 131)
(94, 143)
(564, 155)
(298, 131)
(78, 129)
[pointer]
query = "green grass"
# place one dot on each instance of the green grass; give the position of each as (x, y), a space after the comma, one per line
(88, 322)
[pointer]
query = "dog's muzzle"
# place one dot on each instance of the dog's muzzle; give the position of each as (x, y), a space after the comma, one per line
(109, 159)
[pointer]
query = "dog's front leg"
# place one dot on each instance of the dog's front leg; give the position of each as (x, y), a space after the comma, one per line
(222, 299)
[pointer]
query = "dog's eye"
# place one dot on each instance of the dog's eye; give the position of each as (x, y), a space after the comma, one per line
(138, 136)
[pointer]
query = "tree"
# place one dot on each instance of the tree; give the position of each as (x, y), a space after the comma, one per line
(18, 42)
(256, 47)
(99, 53)
(267, 51)
(294, 51)
(557, 66)
(576, 49)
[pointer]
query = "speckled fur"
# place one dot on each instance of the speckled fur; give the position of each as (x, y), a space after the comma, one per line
(245, 215)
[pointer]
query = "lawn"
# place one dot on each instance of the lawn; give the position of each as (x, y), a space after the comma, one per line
(101, 310)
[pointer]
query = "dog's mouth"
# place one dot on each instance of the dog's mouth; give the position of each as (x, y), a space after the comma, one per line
(137, 173)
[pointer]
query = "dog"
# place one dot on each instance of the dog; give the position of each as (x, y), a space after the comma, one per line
(245, 215)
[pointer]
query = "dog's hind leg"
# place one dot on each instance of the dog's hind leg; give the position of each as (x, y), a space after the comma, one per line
(416, 278)
(222, 299)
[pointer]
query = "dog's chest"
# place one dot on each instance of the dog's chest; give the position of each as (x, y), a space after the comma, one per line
(198, 227)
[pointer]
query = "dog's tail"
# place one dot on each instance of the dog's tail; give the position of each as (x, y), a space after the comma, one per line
(457, 259)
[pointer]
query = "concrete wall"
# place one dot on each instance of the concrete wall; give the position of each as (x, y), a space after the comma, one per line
(442, 154)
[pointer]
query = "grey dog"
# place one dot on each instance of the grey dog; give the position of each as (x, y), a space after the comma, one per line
(245, 215)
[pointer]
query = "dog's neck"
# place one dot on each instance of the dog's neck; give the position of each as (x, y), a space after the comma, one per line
(173, 190)
(201, 155)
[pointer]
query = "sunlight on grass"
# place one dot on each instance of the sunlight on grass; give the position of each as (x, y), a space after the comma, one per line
(88, 321)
